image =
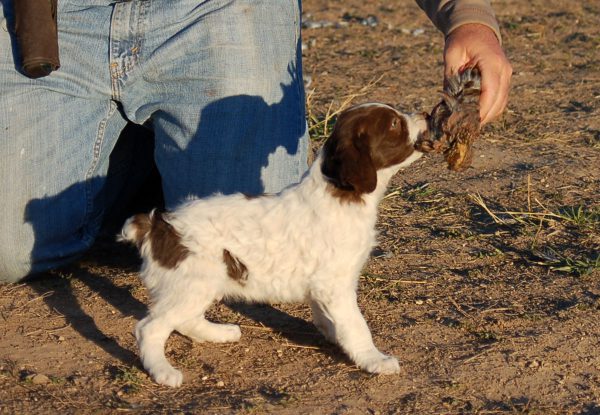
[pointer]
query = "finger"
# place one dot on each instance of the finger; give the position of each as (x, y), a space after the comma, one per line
(489, 97)
(490, 110)
(497, 99)
(496, 110)
(455, 58)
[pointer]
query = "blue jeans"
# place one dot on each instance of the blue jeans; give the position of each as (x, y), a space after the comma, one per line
(219, 82)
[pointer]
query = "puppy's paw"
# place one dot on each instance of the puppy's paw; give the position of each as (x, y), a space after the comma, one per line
(167, 375)
(228, 333)
(380, 363)
(205, 331)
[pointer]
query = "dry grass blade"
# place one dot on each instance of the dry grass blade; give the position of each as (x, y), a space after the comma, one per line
(319, 128)
(377, 279)
(581, 221)
(479, 201)
(576, 216)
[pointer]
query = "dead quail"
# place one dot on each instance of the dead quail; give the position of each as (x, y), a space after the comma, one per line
(454, 123)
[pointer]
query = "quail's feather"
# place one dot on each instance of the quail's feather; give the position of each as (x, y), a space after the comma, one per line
(454, 123)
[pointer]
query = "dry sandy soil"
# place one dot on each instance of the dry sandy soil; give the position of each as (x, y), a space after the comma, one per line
(486, 284)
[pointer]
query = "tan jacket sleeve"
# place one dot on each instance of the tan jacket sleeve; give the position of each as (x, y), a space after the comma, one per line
(447, 15)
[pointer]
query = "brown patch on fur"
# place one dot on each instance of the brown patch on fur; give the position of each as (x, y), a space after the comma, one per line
(142, 224)
(236, 269)
(364, 140)
(165, 243)
(344, 196)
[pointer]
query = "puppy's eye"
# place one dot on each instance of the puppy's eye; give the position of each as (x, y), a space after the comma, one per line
(395, 123)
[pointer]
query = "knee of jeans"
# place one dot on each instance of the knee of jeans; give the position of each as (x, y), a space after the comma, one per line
(15, 258)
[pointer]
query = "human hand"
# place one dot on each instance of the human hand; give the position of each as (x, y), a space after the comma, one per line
(476, 45)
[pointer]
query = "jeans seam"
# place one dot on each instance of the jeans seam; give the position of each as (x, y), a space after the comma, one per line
(89, 194)
(142, 8)
(121, 62)
(115, 70)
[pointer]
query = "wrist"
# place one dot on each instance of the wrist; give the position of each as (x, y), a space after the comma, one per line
(478, 30)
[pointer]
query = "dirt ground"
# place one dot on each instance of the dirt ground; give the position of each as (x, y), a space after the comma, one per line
(485, 285)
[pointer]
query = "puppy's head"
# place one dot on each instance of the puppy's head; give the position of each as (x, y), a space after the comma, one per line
(368, 138)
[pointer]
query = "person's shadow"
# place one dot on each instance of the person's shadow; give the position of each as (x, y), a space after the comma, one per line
(243, 117)
(134, 143)
(131, 158)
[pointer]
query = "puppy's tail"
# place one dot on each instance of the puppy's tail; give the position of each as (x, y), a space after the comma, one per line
(136, 229)
(154, 235)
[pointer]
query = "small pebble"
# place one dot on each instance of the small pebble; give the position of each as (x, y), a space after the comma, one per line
(317, 24)
(220, 384)
(307, 80)
(370, 21)
(39, 379)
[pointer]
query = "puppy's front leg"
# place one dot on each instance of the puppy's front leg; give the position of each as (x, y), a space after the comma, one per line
(322, 321)
(350, 331)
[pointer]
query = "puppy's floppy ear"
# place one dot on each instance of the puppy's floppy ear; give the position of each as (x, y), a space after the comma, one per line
(347, 161)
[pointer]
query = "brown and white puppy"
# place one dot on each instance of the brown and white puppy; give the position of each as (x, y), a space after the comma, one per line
(305, 244)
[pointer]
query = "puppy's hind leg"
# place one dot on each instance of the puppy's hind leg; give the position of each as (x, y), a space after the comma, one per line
(151, 334)
(201, 330)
